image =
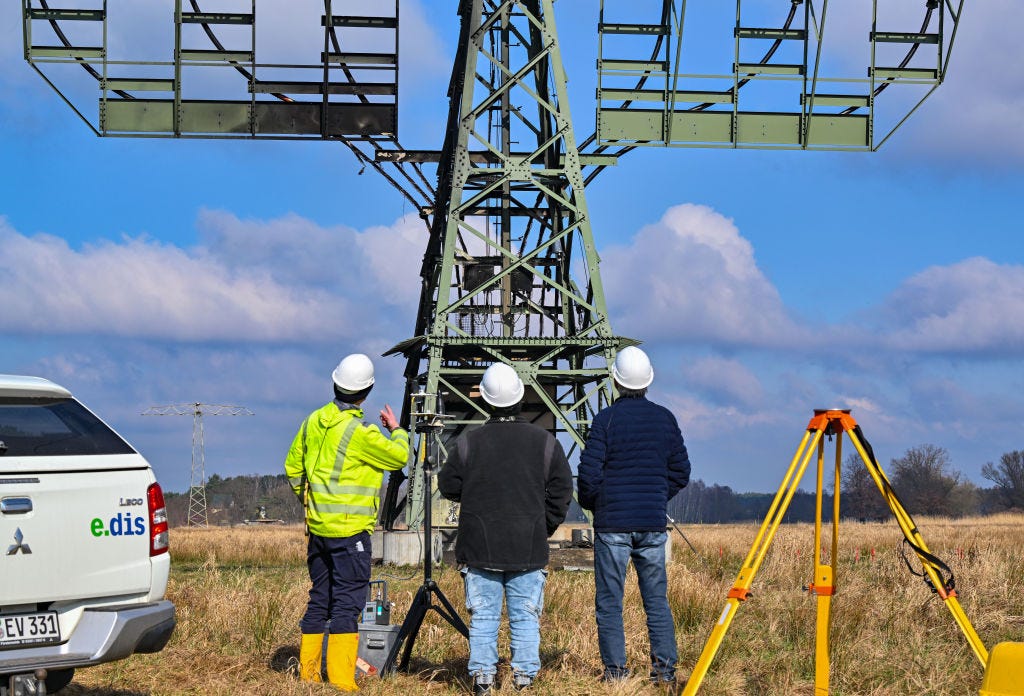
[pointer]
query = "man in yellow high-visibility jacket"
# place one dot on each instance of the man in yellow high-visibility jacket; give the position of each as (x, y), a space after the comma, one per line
(336, 464)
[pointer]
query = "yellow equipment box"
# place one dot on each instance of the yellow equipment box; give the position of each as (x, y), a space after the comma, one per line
(1004, 675)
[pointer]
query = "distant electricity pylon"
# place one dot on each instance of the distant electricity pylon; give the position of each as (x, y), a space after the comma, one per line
(197, 516)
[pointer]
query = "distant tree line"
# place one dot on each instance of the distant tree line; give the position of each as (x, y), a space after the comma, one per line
(924, 480)
(235, 499)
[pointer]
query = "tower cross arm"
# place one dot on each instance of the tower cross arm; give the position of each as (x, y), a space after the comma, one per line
(198, 408)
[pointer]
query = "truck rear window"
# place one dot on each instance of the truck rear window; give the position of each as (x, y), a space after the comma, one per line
(54, 428)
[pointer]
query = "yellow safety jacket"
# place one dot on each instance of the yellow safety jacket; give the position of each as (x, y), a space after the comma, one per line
(342, 460)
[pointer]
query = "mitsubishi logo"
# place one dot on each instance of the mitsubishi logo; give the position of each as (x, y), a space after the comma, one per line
(18, 544)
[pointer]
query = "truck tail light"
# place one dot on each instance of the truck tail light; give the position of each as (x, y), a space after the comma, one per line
(158, 542)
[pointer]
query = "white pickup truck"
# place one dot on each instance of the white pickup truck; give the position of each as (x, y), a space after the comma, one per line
(83, 542)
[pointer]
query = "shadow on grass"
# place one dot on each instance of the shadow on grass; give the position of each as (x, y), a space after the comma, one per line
(285, 659)
(73, 689)
(561, 658)
(455, 672)
(451, 672)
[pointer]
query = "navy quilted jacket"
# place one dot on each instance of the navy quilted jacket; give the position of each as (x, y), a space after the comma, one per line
(633, 463)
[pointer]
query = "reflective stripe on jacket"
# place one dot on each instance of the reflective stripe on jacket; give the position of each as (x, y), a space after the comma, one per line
(343, 460)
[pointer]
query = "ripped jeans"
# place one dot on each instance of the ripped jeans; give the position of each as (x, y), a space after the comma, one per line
(524, 596)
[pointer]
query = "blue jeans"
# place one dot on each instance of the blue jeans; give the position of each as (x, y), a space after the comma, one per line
(339, 570)
(524, 596)
(612, 551)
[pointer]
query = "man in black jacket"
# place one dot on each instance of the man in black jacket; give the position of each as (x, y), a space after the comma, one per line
(514, 485)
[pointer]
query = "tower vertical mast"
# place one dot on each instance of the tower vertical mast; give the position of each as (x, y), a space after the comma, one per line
(197, 516)
(511, 273)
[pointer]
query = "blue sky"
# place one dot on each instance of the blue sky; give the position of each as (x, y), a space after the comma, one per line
(763, 284)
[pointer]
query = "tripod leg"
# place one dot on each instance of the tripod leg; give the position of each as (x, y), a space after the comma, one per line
(407, 634)
(450, 615)
(824, 589)
(913, 535)
(421, 604)
(823, 584)
(741, 588)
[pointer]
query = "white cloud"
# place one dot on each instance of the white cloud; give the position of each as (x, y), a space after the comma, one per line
(374, 268)
(291, 249)
(120, 378)
(702, 420)
(723, 380)
(692, 276)
(260, 311)
(285, 280)
(139, 287)
(691, 283)
(393, 254)
(974, 306)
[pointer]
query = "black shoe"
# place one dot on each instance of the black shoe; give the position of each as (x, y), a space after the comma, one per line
(482, 688)
(613, 674)
(665, 683)
(521, 681)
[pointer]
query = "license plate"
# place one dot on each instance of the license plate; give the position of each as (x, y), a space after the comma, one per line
(29, 629)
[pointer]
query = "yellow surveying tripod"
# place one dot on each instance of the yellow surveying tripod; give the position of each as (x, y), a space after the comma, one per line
(1004, 672)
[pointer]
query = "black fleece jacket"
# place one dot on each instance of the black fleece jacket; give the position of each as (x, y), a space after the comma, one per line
(514, 485)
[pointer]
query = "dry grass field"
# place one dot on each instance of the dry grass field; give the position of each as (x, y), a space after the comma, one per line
(240, 591)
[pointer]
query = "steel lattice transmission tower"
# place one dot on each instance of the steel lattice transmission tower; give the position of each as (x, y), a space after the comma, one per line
(511, 271)
(197, 516)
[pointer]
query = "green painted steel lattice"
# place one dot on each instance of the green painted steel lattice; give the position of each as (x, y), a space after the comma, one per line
(344, 94)
(511, 271)
(779, 90)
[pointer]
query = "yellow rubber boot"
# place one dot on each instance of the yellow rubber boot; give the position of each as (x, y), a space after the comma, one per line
(311, 651)
(342, 650)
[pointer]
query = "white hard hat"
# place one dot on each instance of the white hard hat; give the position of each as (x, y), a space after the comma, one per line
(632, 368)
(501, 386)
(354, 373)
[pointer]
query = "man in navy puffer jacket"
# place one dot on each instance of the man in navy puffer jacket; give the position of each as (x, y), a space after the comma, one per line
(633, 463)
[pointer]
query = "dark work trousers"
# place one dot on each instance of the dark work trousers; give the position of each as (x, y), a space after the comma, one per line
(339, 569)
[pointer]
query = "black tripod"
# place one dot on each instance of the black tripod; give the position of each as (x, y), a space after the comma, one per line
(430, 426)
